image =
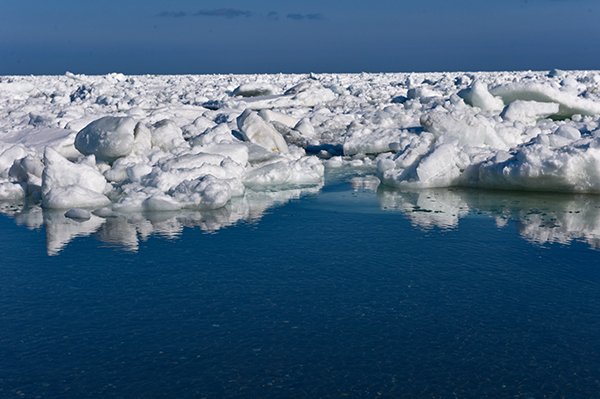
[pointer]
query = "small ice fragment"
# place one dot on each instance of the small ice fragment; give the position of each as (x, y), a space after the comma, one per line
(78, 214)
(254, 89)
(305, 128)
(568, 132)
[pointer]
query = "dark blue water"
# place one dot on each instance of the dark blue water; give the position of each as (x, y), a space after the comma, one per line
(336, 295)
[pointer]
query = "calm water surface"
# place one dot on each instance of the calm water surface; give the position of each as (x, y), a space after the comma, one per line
(349, 293)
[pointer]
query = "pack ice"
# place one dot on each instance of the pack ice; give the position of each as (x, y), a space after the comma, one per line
(118, 144)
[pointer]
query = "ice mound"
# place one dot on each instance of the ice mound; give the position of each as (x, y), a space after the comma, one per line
(207, 192)
(569, 103)
(518, 149)
(529, 111)
(257, 130)
(466, 150)
(547, 163)
(465, 129)
(66, 184)
(166, 135)
(309, 93)
(8, 155)
(254, 89)
(144, 162)
(478, 95)
(107, 138)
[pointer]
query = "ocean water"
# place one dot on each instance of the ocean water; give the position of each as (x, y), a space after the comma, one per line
(352, 292)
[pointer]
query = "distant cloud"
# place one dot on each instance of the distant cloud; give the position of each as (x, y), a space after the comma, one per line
(301, 17)
(215, 13)
(223, 13)
(553, 1)
(172, 14)
(231, 13)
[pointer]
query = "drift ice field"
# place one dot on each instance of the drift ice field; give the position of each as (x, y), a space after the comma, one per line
(92, 147)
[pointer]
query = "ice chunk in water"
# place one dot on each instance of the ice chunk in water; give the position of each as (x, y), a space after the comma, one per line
(67, 185)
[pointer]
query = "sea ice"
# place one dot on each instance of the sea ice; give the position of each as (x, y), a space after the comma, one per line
(198, 143)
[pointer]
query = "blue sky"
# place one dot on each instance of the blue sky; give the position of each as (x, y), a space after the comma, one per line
(187, 36)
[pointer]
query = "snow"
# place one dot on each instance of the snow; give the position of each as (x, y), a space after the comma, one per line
(201, 143)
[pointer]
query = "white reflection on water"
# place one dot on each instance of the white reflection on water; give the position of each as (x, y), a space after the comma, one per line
(541, 217)
(126, 230)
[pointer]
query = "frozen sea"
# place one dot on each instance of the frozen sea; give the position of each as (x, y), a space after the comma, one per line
(354, 292)
(300, 236)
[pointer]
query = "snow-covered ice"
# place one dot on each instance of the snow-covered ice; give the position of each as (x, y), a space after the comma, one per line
(115, 144)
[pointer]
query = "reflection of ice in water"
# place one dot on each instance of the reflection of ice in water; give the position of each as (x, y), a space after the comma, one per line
(126, 230)
(32, 218)
(542, 218)
(577, 219)
(428, 208)
(364, 183)
(61, 230)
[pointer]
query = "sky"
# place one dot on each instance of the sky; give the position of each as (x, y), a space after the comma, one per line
(271, 36)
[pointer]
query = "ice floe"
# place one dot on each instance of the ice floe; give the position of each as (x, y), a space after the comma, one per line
(115, 144)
